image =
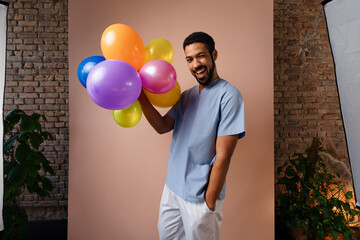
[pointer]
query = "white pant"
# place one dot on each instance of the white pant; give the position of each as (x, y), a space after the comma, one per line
(183, 220)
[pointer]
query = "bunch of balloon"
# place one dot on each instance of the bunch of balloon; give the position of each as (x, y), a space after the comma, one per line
(113, 81)
(158, 75)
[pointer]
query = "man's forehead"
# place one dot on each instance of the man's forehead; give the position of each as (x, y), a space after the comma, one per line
(195, 48)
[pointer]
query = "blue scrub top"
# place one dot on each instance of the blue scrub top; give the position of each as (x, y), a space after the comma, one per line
(199, 119)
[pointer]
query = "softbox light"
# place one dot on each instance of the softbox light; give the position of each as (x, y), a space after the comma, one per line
(3, 28)
(343, 23)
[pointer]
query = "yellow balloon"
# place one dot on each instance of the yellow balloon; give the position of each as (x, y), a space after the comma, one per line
(128, 117)
(166, 99)
(159, 48)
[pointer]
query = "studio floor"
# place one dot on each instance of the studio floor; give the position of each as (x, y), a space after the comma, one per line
(49, 229)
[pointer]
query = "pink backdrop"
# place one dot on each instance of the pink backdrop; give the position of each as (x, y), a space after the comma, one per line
(116, 174)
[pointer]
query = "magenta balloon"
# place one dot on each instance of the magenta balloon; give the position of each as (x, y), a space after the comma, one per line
(114, 84)
(158, 76)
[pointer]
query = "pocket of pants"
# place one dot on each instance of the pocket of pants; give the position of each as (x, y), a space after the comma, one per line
(208, 209)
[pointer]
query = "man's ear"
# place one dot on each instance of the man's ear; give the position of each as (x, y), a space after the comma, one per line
(215, 54)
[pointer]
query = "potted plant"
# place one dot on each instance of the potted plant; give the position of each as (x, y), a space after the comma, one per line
(25, 168)
(309, 201)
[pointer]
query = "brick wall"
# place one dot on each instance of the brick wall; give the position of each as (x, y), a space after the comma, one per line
(37, 81)
(306, 98)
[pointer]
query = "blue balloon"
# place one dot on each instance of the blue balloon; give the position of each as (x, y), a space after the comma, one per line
(86, 66)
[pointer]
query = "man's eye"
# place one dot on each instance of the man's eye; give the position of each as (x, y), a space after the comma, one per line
(189, 60)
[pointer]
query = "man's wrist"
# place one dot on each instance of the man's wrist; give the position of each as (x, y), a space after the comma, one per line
(210, 203)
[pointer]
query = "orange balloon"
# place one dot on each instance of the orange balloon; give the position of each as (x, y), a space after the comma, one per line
(120, 41)
(166, 99)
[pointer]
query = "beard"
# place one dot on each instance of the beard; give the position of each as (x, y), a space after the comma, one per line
(205, 80)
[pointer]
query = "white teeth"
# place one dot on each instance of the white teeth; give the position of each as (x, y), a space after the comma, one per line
(200, 71)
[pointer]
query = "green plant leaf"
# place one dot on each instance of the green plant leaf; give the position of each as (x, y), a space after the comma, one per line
(283, 180)
(48, 168)
(9, 143)
(334, 202)
(8, 166)
(44, 117)
(17, 175)
(316, 193)
(347, 234)
(300, 168)
(14, 116)
(337, 176)
(35, 140)
(353, 212)
(35, 119)
(36, 158)
(346, 207)
(321, 199)
(290, 172)
(309, 200)
(311, 180)
(23, 152)
(38, 187)
(32, 170)
(26, 124)
(47, 135)
(321, 234)
(35, 186)
(37, 126)
(47, 184)
(349, 195)
(13, 112)
(334, 235)
(327, 212)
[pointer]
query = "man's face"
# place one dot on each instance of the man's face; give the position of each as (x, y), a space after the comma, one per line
(200, 62)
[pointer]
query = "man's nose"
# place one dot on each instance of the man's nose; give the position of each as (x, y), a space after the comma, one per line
(196, 63)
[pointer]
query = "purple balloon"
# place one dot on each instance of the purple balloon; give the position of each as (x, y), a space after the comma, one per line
(158, 76)
(114, 84)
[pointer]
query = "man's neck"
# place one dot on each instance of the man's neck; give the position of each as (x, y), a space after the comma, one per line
(201, 87)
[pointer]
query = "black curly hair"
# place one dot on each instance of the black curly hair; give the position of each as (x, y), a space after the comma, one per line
(200, 37)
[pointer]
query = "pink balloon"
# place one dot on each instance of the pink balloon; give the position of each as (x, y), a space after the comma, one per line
(158, 76)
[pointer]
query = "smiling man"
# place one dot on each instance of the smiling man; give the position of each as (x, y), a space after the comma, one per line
(207, 122)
